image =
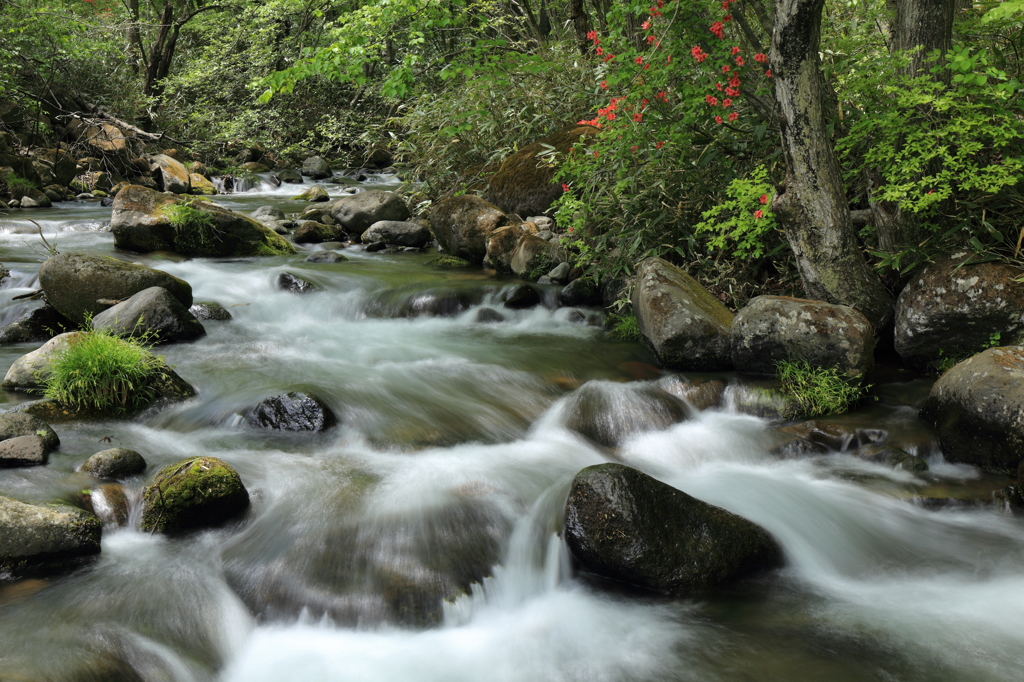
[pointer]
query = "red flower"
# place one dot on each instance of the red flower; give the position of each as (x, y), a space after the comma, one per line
(735, 80)
(733, 116)
(732, 92)
(592, 35)
(726, 68)
(604, 85)
(600, 51)
(768, 73)
(565, 187)
(608, 58)
(611, 116)
(639, 60)
(763, 199)
(726, 103)
(718, 30)
(651, 39)
(758, 213)
(646, 25)
(659, 145)
(595, 154)
(661, 3)
(634, 148)
(711, 100)
(718, 119)
(647, 66)
(735, 49)
(760, 57)
(739, 61)
(663, 96)
(571, 230)
(718, 85)
(727, 18)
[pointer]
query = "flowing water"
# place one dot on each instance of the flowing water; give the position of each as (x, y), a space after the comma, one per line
(418, 540)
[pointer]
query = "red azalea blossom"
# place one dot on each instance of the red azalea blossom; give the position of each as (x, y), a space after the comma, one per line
(595, 154)
(733, 116)
(571, 230)
(763, 199)
(611, 116)
(718, 85)
(726, 68)
(718, 30)
(711, 99)
(639, 60)
(727, 18)
(659, 145)
(646, 25)
(735, 80)
(600, 51)
(654, 11)
(768, 73)
(592, 35)
(633, 149)
(604, 85)
(735, 49)
(739, 61)
(726, 103)
(565, 187)
(663, 96)
(732, 92)
(668, 60)
(760, 57)
(758, 213)
(647, 66)
(608, 58)
(718, 119)
(661, 3)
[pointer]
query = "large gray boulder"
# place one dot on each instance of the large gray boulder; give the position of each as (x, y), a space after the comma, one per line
(14, 424)
(358, 212)
(152, 313)
(198, 492)
(30, 371)
(24, 451)
(948, 311)
(463, 225)
(622, 524)
(397, 232)
(142, 221)
(75, 283)
(977, 410)
(268, 215)
(773, 328)
(685, 326)
(170, 174)
(36, 540)
(316, 168)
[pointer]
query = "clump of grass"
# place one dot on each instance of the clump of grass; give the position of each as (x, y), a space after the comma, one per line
(194, 230)
(625, 327)
(101, 372)
(817, 391)
(18, 186)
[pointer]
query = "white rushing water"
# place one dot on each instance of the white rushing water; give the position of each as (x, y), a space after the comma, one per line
(452, 462)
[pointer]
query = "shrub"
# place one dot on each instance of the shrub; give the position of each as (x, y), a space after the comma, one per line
(18, 186)
(194, 230)
(101, 372)
(817, 391)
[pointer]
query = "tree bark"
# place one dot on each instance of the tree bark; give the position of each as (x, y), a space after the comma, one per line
(580, 25)
(812, 208)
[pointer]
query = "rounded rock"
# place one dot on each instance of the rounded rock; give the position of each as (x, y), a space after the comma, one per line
(114, 463)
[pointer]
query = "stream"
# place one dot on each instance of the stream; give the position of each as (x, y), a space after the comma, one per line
(452, 461)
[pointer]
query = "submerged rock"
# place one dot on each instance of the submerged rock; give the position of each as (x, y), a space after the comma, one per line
(448, 262)
(622, 524)
(198, 492)
(209, 310)
(152, 313)
(685, 326)
(293, 411)
(294, 284)
(37, 540)
(114, 463)
(75, 283)
(325, 257)
(606, 413)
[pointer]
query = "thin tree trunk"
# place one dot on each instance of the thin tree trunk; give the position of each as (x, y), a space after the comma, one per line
(580, 25)
(812, 208)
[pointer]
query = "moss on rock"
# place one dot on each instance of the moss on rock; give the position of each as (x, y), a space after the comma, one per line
(194, 493)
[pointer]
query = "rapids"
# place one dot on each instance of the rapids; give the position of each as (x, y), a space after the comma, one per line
(452, 462)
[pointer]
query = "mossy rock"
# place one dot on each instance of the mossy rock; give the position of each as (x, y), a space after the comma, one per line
(450, 262)
(198, 492)
(37, 539)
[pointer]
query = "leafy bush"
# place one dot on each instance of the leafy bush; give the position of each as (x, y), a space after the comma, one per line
(817, 391)
(101, 372)
(194, 230)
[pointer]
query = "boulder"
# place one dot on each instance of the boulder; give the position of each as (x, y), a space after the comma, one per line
(685, 326)
(255, 167)
(524, 184)
(106, 140)
(74, 283)
(38, 324)
(30, 371)
(37, 539)
(947, 311)
(700, 394)
(114, 463)
(198, 492)
(267, 214)
(315, 193)
(14, 424)
(24, 451)
(324, 257)
(289, 176)
(152, 313)
(607, 414)
(357, 212)
(464, 224)
(316, 168)
(201, 185)
(35, 198)
(209, 310)
(293, 284)
(293, 411)
(774, 328)
(581, 292)
(109, 503)
(622, 524)
(977, 410)
(519, 297)
(141, 221)
(533, 257)
(170, 174)
(500, 245)
(449, 262)
(397, 232)
(311, 232)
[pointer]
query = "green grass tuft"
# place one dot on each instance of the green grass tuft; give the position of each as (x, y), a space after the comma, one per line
(18, 186)
(195, 233)
(817, 391)
(100, 372)
(625, 327)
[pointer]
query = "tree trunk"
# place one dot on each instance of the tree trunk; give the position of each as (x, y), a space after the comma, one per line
(812, 208)
(580, 25)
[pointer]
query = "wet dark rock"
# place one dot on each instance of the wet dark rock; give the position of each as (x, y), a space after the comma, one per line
(325, 257)
(415, 301)
(1009, 500)
(376, 247)
(109, 503)
(358, 212)
(311, 232)
(977, 410)
(38, 324)
(891, 456)
(560, 273)
(209, 310)
(74, 283)
(316, 168)
(38, 540)
(397, 232)
(789, 445)
(24, 451)
(520, 296)
(501, 243)
(294, 411)
(14, 424)
(198, 492)
(770, 329)
(836, 436)
(684, 324)
(607, 413)
(625, 525)
(152, 313)
(464, 224)
(581, 292)
(290, 176)
(953, 311)
(296, 285)
(702, 394)
(485, 315)
(448, 262)
(114, 463)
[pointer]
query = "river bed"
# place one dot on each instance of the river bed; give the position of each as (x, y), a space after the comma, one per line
(452, 459)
